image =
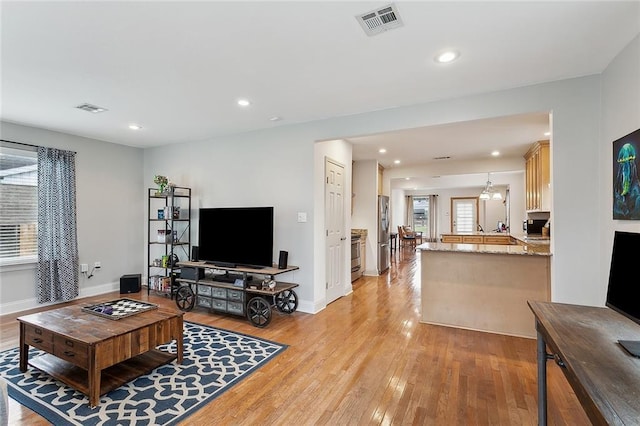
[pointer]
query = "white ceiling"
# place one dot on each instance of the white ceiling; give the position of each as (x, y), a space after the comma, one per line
(177, 68)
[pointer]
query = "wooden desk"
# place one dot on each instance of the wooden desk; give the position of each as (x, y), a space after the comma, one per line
(95, 355)
(583, 341)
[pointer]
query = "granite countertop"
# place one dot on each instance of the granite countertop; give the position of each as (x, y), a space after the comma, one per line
(515, 249)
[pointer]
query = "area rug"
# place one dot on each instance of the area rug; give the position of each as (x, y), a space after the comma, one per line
(214, 360)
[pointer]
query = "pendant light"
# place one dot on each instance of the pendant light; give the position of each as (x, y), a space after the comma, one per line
(488, 193)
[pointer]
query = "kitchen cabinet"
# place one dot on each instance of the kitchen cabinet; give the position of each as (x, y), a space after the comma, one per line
(472, 239)
(538, 178)
(363, 253)
(477, 239)
(451, 238)
(497, 239)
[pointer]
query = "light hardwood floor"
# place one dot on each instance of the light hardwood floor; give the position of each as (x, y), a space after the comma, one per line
(366, 359)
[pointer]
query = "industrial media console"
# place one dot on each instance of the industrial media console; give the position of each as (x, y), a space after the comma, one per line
(236, 291)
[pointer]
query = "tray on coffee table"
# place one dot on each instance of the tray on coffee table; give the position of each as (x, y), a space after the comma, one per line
(119, 308)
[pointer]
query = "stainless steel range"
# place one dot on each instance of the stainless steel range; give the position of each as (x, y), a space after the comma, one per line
(356, 259)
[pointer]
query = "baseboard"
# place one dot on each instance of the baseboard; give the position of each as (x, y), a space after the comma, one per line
(26, 304)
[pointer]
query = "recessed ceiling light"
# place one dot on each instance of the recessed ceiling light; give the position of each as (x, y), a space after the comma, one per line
(407, 178)
(135, 127)
(244, 102)
(547, 133)
(275, 118)
(446, 56)
(495, 153)
(396, 162)
(382, 150)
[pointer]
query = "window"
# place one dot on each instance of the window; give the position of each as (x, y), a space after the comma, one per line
(421, 214)
(18, 205)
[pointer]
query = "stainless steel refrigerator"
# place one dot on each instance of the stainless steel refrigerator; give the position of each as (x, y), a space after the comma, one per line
(384, 254)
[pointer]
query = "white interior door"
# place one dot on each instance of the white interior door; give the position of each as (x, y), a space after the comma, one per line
(334, 219)
(464, 214)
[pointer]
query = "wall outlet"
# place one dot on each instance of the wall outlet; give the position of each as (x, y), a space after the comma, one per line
(84, 267)
(97, 265)
(302, 217)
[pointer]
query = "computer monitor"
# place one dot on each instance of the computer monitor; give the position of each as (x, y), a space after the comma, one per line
(623, 292)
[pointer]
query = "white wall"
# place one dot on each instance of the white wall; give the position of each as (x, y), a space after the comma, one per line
(110, 214)
(276, 166)
(489, 211)
(232, 170)
(255, 169)
(365, 209)
(340, 151)
(620, 116)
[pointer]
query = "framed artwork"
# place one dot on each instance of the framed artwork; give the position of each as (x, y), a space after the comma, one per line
(626, 187)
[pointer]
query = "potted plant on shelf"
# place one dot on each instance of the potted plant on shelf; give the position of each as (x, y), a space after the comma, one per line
(162, 182)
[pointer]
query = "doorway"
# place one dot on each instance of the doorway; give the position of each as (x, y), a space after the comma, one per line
(335, 233)
(464, 214)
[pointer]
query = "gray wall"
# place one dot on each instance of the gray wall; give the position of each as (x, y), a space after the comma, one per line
(620, 116)
(111, 208)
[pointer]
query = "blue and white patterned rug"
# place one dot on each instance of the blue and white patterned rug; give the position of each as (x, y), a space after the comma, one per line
(214, 360)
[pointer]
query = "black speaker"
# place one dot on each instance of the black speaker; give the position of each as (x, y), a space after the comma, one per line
(192, 273)
(194, 253)
(130, 283)
(282, 260)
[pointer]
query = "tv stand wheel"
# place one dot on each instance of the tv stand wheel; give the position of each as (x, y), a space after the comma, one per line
(258, 312)
(287, 301)
(185, 299)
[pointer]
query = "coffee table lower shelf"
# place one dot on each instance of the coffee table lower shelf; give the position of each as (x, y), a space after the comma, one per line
(111, 378)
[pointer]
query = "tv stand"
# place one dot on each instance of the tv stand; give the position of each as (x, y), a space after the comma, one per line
(231, 278)
(237, 292)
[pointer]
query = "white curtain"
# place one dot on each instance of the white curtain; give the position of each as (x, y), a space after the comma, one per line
(433, 219)
(409, 211)
(57, 233)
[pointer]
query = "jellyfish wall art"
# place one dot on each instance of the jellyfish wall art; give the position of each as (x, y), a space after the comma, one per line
(626, 187)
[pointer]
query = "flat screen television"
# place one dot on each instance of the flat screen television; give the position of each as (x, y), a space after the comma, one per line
(236, 236)
(623, 292)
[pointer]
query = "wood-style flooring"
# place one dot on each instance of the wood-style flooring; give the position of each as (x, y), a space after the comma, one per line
(367, 359)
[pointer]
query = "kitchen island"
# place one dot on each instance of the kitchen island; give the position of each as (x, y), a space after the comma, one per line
(484, 287)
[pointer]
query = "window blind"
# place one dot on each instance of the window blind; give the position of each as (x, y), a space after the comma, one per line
(465, 217)
(18, 203)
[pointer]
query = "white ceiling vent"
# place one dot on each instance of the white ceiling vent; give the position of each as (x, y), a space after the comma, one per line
(380, 20)
(91, 108)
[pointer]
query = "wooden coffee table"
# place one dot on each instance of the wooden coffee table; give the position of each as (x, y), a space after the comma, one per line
(96, 355)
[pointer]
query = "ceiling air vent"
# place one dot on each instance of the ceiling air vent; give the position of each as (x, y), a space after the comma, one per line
(380, 20)
(91, 108)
